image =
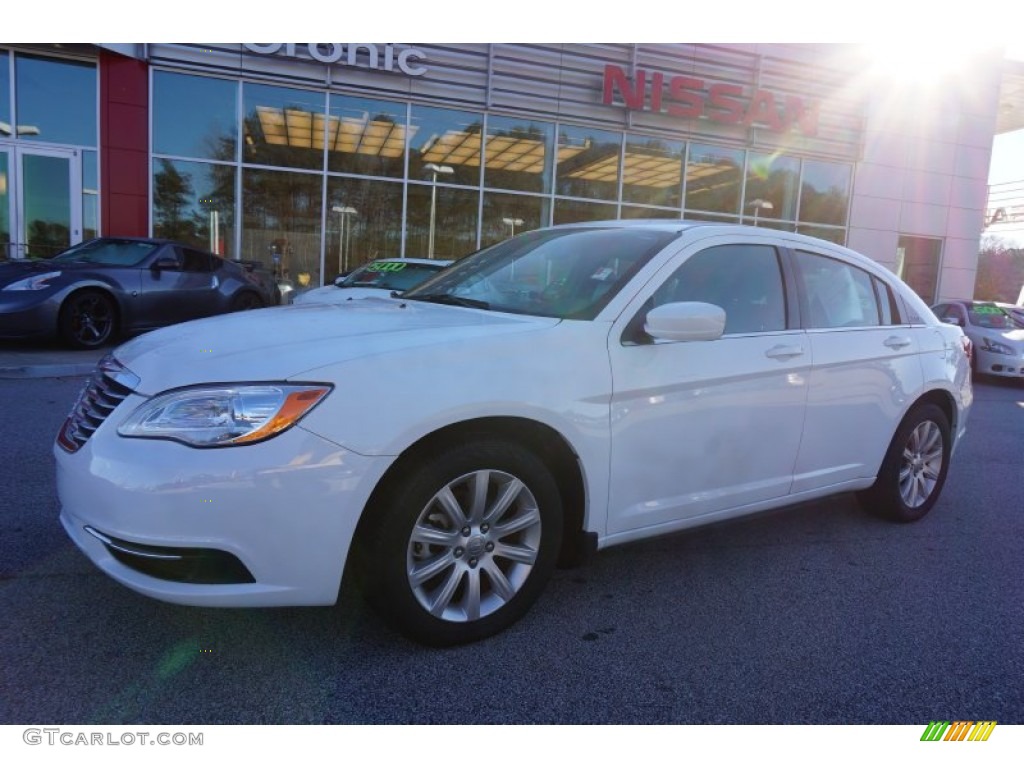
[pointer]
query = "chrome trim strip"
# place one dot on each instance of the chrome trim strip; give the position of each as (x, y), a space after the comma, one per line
(121, 548)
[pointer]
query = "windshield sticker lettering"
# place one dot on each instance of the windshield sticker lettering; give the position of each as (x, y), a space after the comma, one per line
(386, 266)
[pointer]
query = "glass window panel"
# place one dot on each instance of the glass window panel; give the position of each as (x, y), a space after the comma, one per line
(56, 100)
(5, 206)
(363, 223)
(838, 295)
(917, 263)
(5, 96)
(281, 223)
(714, 179)
(518, 154)
(571, 211)
(588, 163)
(366, 136)
(508, 215)
(837, 236)
(653, 171)
(283, 126)
(640, 212)
(195, 204)
(771, 187)
(825, 193)
(700, 216)
(451, 217)
(447, 140)
(46, 186)
(90, 196)
(744, 280)
(195, 116)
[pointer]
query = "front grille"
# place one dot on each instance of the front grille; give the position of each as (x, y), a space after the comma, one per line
(111, 383)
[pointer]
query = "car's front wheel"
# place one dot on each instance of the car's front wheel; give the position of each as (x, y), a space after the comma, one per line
(88, 319)
(462, 544)
(914, 469)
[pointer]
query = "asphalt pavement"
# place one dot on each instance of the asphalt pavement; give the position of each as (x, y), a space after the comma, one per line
(46, 359)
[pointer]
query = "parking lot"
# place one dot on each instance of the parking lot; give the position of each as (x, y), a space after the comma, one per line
(815, 614)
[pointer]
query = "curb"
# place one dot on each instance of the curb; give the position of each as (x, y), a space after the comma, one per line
(46, 371)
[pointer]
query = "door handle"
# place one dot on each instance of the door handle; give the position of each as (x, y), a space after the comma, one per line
(897, 342)
(784, 351)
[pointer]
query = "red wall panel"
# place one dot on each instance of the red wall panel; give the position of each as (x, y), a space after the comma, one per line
(124, 145)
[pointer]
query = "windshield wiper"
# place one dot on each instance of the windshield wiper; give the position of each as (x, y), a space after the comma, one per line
(447, 298)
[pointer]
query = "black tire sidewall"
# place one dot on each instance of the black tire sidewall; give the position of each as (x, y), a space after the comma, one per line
(65, 319)
(884, 497)
(383, 547)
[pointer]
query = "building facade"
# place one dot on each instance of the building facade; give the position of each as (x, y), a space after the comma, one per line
(315, 158)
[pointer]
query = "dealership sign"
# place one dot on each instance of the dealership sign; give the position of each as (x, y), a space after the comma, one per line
(690, 97)
(386, 57)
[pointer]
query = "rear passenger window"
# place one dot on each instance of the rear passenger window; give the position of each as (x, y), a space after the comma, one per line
(744, 280)
(838, 295)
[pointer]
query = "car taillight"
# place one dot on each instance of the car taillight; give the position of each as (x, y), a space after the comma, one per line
(968, 347)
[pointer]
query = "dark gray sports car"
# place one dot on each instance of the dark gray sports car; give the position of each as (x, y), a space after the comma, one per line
(98, 290)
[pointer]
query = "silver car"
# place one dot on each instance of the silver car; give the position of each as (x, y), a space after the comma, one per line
(378, 278)
(998, 337)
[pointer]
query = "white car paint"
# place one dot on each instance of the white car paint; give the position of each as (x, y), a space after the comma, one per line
(667, 435)
(338, 292)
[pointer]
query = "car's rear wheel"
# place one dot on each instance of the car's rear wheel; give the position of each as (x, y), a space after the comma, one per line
(915, 466)
(461, 545)
(88, 319)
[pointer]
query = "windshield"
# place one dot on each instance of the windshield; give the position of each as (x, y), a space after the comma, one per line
(566, 273)
(390, 275)
(991, 316)
(112, 253)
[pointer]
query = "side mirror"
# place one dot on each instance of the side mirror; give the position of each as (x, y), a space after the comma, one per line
(165, 262)
(339, 280)
(953, 321)
(685, 321)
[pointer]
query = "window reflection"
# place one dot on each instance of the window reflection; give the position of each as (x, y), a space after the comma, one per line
(653, 171)
(518, 155)
(194, 116)
(714, 179)
(641, 212)
(447, 139)
(454, 217)
(824, 193)
(588, 163)
(5, 221)
(56, 100)
(833, 235)
(283, 126)
(281, 223)
(195, 203)
(361, 223)
(366, 136)
(5, 95)
(572, 211)
(90, 196)
(509, 215)
(771, 187)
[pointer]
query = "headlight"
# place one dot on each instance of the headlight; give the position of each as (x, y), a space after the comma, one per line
(33, 283)
(990, 345)
(217, 416)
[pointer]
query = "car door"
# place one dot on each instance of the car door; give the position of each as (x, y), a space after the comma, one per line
(178, 284)
(705, 426)
(866, 369)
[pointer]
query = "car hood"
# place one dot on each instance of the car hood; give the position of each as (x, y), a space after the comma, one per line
(284, 342)
(332, 294)
(1014, 337)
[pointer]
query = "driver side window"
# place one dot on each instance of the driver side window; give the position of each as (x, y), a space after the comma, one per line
(744, 280)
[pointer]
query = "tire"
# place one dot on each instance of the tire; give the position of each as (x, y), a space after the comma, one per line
(914, 469)
(88, 319)
(463, 544)
(245, 300)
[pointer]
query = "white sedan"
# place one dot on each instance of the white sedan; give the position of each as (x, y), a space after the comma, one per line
(378, 278)
(569, 389)
(997, 336)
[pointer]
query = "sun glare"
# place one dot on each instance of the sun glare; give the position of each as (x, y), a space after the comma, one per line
(918, 61)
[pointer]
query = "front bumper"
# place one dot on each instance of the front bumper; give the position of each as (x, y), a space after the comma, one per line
(28, 314)
(992, 364)
(284, 511)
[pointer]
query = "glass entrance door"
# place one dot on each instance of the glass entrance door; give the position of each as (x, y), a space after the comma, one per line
(40, 201)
